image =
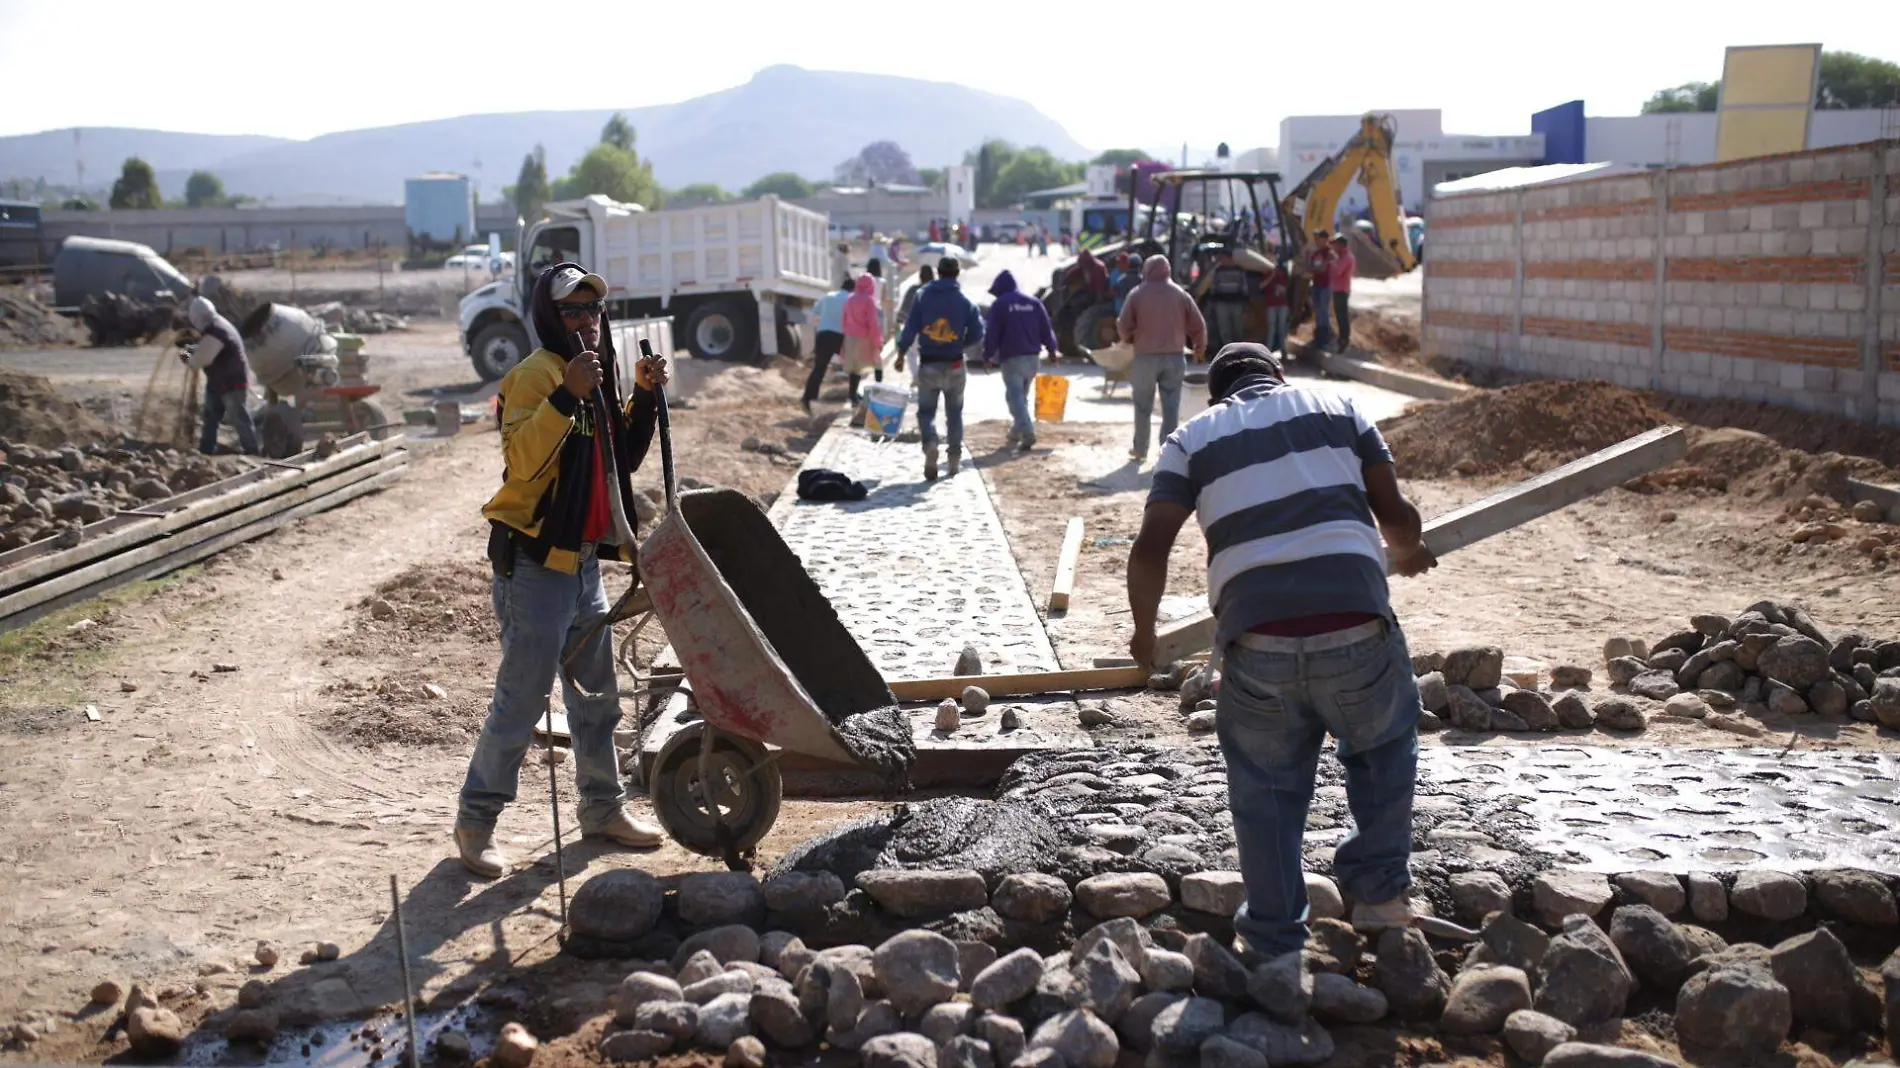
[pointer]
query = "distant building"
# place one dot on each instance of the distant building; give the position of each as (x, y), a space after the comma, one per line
(1681, 138)
(887, 209)
(1423, 154)
(439, 208)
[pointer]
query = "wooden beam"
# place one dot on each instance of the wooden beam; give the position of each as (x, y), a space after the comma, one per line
(1501, 511)
(1065, 566)
(1393, 379)
(23, 598)
(1021, 685)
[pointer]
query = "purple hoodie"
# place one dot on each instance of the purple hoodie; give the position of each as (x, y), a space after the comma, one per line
(1017, 324)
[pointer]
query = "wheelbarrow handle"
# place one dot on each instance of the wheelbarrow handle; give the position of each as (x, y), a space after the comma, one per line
(666, 435)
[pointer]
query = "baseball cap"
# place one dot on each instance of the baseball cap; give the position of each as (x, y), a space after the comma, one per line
(568, 279)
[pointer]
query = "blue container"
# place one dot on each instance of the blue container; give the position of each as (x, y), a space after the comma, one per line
(884, 409)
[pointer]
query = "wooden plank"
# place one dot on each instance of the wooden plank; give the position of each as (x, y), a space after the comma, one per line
(79, 578)
(1501, 511)
(191, 554)
(261, 487)
(1065, 566)
(1023, 684)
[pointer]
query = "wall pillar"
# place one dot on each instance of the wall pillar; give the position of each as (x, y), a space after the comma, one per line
(1873, 272)
(1661, 275)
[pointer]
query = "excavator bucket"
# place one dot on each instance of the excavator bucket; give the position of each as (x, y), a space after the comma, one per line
(1373, 261)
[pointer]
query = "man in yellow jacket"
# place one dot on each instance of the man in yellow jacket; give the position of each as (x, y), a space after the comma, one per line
(569, 443)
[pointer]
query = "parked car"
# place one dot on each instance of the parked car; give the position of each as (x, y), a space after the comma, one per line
(476, 256)
(86, 266)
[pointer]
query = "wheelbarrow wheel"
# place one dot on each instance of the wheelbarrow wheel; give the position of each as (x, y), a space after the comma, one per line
(746, 788)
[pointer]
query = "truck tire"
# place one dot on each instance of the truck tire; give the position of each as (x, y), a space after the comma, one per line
(1095, 327)
(497, 348)
(723, 330)
(787, 337)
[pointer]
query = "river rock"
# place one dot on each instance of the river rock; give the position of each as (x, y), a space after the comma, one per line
(1135, 894)
(1769, 895)
(1306, 1043)
(1128, 935)
(1620, 714)
(1509, 940)
(878, 1018)
(1282, 986)
(802, 891)
(723, 1020)
(1795, 660)
(1217, 972)
(715, 899)
(1573, 712)
(1407, 972)
(1857, 897)
(1103, 982)
(1708, 898)
(1686, 706)
(1166, 970)
(1333, 946)
(1478, 668)
(1480, 893)
(1659, 890)
(1533, 708)
(619, 905)
(1532, 1035)
(745, 1052)
(1082, 1039)
(639, 989)
(1181, 1027)
(1735, 1006)
(1004, 1035)
(733, 942)
(1654, 950)
(635, 1045)
(1433, 693)
(1218, 892)
(515, 1047)
(719, 985)
(1223, 1052)
(1136, 1027)
(1033, 897)
(777, 1015)
(1560, 893)
(1655, 685)
(1582, 979)
(1825, 989)
(1625, 668)
(1323, 899)
(1482, 997)
(912, 893)
(1337, 999)
(1587, 1055)
(905, 1049)
(1467, 710)
(917, 969)
(1010, 979)
(1886, 702)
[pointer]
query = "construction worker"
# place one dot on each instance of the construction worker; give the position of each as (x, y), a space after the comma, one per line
(1339, 284)
(1016, 331)
(1273, 296)
(829, 340)
(569, 444)
(1161, 323)
(219, 353)
(1293, 489)
(943, 324)
(1319, 264)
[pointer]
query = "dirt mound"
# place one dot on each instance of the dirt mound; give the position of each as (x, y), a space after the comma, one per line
(1531, 427)
(433, 600)
(1390, 335)
(26, 323)
(709, 383)
(32, 411)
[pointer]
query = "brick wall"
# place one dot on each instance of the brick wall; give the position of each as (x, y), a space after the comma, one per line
(1774, 279)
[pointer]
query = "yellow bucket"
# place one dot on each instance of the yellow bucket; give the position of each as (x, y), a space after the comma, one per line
(1052, 397)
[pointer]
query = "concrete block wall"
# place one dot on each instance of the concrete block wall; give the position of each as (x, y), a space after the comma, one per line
(1774, 279)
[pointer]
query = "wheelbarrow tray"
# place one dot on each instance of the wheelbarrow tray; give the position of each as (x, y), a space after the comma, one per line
(765, 652)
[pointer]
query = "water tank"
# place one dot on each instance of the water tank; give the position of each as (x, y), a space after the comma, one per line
(438, 207)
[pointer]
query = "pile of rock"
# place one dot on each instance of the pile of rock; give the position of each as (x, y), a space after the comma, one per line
(50, 492)
(1770, 658)
(357, 320)
(1468, 689)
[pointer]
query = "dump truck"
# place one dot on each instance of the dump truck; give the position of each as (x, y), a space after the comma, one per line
(738, 278)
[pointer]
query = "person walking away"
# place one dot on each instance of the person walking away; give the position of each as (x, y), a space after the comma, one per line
(943, 324)
(841, 261)
(1293, 488)
(1130, 278)
(863, 332)
(829, 340)
(569, 446)
(1015, 332)
(1339, 281)
(880, 250)
(925, 275)
(219, 353)
(1319, 263)
(1273, 296)
(1160, 322)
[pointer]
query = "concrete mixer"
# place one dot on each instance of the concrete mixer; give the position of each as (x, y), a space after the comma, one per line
(296, 360)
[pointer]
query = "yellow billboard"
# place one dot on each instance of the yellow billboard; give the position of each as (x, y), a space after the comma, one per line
(1767, 98)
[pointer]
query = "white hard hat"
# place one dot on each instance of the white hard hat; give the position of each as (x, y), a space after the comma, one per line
(200, 313)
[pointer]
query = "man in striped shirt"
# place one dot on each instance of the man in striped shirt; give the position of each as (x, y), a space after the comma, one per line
(1293, 488)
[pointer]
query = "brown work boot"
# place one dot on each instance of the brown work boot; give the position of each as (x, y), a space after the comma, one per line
(1371, 917)
(930, 465)
(956, 462)
(622, 829)
(479, 854)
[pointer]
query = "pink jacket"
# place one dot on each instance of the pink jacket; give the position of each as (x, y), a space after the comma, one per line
(1159, 318)
(1339, 274)
(861, 317)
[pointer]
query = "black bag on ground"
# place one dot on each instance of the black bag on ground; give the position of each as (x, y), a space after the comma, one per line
(824, 484)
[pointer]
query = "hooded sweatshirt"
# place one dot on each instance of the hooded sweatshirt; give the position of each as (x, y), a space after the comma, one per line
(1017, 324)
(942, 324)
(1093, 273)
(567, 460)
(861, 316)
(220, 352)
(1159, 318)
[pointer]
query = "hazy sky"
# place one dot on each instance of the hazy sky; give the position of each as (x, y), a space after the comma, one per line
(1196, 72)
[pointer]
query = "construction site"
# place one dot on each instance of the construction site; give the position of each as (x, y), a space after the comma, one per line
(921, 806)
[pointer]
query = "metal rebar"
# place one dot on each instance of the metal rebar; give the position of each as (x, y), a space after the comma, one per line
(408, 984)
(554, 807)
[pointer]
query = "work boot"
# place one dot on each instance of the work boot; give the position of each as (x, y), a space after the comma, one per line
(479, 854)
(930, 465)
(956, 461)
(622, 829)
(1371, 917)
(1026, 443)
(1013, 436)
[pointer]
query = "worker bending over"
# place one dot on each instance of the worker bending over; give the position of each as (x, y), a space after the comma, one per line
(1293, 488)
(569, 443)
(219, 353)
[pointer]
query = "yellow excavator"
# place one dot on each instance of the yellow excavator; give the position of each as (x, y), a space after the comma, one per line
(1311, 206)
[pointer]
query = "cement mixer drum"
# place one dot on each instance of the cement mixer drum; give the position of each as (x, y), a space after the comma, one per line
(289, 349)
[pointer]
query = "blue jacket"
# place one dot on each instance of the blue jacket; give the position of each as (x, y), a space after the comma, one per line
(942, 324)
(1018, 324)
(830, 309)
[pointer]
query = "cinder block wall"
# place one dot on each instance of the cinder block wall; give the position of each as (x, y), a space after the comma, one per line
(1774, 279)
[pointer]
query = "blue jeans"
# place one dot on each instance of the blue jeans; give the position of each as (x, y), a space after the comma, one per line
(228, 407)
(1147, 374)
(1018, 373)
(1275, 708)
(940, 379)
(1322, 316)
(543, 613)
(1276, 329)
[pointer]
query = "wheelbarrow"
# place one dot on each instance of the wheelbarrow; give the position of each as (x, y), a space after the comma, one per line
(767, 662)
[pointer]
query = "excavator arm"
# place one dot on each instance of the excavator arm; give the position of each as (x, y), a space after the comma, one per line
(1367, 158)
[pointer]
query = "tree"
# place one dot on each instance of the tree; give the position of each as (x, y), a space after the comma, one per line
(1850, 80)
(618, 132)
(614, 172)
(531, 185)
(783, 184)
(989, 159)
(1120, 157)
(1029, 170)
(136, 187)
(878, 162)
(933, 177)
(696, 194)
(1689, 96)
(204, 190)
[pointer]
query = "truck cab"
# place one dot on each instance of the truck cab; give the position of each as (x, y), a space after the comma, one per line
(738, 276)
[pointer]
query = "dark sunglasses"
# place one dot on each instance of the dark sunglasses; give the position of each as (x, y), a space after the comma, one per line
(590, 310)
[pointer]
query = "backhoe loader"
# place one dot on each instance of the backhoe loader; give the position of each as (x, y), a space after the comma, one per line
(1311, 207)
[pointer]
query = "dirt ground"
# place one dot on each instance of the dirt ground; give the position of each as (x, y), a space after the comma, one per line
(211, 808)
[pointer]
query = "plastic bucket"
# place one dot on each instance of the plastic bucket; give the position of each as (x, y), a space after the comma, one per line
(884, 409)
(1052, 397)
